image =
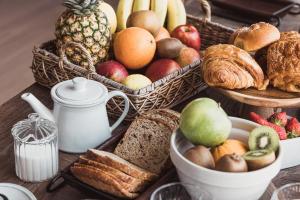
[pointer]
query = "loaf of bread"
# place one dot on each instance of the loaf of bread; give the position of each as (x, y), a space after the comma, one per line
(230, 67)
(101, 181)
(135, 183)
(147, 141)
(255, 37)
(283, 60)
(120, 164)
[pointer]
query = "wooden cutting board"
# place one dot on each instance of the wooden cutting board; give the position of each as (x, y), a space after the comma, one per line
(270, 98)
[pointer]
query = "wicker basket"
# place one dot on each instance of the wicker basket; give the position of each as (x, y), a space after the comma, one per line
(49, 69)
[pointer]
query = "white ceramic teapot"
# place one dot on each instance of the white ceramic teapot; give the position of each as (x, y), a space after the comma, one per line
(80, 113)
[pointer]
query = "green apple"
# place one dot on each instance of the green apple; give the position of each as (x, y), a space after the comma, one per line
(204, 122)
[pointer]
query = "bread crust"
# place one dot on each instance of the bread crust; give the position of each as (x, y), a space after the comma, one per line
(256, 36)
(135, 184)
(123, 166)
(101, 182)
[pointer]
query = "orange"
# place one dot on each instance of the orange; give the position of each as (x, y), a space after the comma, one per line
(134, 47)
(162, 34)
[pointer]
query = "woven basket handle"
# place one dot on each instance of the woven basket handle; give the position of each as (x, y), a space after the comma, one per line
(91, 67)
(205, 8)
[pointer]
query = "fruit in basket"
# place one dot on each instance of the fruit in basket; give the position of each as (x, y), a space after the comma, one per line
(200, 155)
(141, 5)
(162, 34)
(188, 35)
(279, 119)
(263, 137)
(230, 146)
(160, 7)
(293, 127)
(260, 120)
(204, 122)
(112, 70)
(168, 48)
(134, 47)
(136, 81)
(232, 163)
(84, 23)
(161, 68)
(111, 15)
(176, 14)
(123, 11)
(145, 19)
(258, 159)
(187, 56)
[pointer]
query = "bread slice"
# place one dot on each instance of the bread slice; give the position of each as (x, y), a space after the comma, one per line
(135, 184)
(118, 163)
(165, 116)
(146, 144)
(101, 182)
(110, 176)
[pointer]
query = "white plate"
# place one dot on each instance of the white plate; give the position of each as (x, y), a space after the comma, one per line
(9, 191)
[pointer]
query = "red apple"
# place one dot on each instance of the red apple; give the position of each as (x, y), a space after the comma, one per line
(187, 56)
(112, 70)
(188, 35)
(161, 68)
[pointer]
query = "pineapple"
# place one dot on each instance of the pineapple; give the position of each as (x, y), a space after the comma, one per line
(84, 23)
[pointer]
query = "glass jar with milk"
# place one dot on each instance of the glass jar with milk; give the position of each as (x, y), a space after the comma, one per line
(36, 149)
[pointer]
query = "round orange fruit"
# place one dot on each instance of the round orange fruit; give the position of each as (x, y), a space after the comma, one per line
(134, 47)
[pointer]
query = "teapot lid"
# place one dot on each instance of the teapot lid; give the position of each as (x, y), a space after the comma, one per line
(79, 92)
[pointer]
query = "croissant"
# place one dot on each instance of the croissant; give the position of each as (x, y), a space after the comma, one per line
(230, 67)
(283, 60)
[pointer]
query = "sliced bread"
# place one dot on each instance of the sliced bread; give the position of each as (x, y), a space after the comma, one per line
(166, 116)
(118, 163)
(102, 182)
(135, 183)
(146, 144)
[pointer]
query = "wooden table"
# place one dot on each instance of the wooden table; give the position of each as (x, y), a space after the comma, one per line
(15, 109)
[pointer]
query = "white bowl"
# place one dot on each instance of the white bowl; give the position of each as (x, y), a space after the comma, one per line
(289, 147)
(224, 185)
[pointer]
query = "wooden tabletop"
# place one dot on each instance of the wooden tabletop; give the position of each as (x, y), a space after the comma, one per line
(15, 110)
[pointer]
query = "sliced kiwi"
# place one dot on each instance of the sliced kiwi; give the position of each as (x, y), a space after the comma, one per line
(258, 159)
(263, 137)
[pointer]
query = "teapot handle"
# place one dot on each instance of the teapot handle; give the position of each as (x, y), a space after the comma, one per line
(126, 108)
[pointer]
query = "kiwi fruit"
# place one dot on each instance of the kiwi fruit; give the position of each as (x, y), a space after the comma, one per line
(263, 137)
(145, 19)
(258, 159)
(232, 163)
(169, 48)
(200, 155)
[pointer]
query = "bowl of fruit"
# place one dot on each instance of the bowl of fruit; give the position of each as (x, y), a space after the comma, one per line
(231, 158)
(288, 130)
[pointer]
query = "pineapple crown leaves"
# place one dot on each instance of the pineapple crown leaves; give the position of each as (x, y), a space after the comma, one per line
(82, 7)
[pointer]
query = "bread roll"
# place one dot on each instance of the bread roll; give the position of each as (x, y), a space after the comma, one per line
(229, 67)
(283, 60)
(256, 36)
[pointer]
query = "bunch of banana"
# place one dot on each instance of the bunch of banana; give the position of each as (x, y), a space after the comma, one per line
(171, 10)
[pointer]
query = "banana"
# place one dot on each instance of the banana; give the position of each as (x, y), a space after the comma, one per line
(141, 5)
(160, 7)
(123, 12)
(176, 14)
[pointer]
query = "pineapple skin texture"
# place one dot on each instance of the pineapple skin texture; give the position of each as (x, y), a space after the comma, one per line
(92, 31)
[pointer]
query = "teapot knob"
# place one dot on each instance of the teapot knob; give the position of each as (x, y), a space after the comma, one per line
(79, 83)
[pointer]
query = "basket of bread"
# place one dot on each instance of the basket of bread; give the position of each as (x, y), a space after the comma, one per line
(150, 50)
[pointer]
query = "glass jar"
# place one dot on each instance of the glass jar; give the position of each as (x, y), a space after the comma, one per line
(35, 148)
(287, 192)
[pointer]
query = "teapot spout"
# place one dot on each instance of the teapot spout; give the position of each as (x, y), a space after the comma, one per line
(37, 106)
